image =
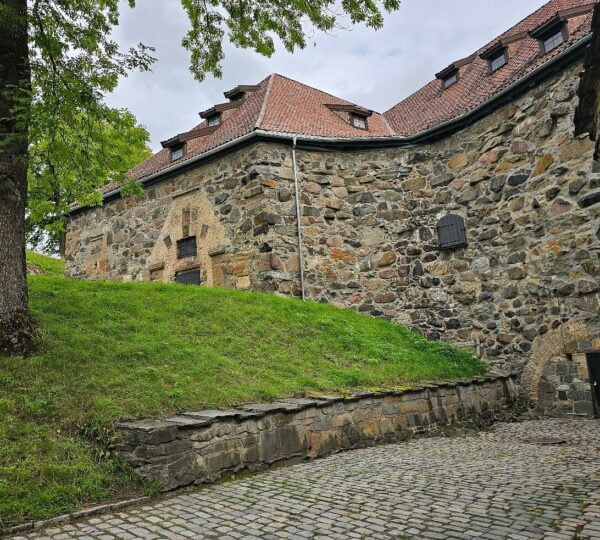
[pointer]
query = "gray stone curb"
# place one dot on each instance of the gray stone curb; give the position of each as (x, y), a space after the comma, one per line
(260, 410)
(73, 516)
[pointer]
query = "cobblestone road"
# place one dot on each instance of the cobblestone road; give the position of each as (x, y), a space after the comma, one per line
(495, 485)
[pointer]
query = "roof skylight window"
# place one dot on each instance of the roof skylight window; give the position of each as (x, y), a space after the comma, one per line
(450, 79)
(177, 152)
(214, 120)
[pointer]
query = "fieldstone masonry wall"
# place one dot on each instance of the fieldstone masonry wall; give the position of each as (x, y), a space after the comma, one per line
(222, 203)
(204, 446)
(524, 186)
(527, 188)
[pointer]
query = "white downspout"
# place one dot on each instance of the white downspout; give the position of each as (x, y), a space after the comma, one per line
(298, 217)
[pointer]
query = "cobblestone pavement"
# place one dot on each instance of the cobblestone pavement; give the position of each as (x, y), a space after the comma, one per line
(510, 483)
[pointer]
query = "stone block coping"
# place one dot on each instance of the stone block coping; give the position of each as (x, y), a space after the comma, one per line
(204, 446)
(84, 513)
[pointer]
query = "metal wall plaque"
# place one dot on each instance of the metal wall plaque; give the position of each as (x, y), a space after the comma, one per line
(188, 277)
(451, 232)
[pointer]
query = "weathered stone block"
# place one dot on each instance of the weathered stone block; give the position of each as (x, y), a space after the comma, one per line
(294, 429)
(589, 200)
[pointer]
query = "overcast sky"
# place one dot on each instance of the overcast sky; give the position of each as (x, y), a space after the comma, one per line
(375, 69)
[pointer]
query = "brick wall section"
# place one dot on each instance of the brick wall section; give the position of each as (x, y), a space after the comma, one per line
(545, 348)
(205, 446)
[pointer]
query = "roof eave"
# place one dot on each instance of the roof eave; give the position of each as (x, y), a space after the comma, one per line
(220, 107)
(432, 132)
(240, 89)
(349, 107)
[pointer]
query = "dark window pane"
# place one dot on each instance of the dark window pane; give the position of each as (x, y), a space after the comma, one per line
(554, 40)
(176, 152)
(186, 247)
(450, 79)
(496, 62)
(188, 277)
(214, 120)
(359, 121)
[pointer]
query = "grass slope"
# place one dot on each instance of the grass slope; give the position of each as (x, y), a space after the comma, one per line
(47, 265)
(114, 350)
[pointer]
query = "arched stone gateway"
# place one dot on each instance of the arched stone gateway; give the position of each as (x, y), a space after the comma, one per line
(557, 377)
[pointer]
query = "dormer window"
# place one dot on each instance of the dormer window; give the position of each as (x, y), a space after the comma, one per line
(240, 91)
(237, 96)
(553, 39)
(451, 75)
(351, 113)
(358, 121)
(497, 60)
(552, 34)
(214, 120)
(450, 79)
(496, 56)
(177, 151)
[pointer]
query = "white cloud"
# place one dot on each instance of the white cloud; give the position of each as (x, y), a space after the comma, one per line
(373, 69)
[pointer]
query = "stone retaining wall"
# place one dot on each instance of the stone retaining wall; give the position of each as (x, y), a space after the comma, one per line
(200, 447)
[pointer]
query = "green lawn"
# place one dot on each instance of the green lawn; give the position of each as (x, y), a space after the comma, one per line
(130, 350)
(49, 265)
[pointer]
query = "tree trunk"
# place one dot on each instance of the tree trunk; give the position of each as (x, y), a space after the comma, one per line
(16, 325)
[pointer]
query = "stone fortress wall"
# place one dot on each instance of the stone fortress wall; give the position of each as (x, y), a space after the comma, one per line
(527, 189)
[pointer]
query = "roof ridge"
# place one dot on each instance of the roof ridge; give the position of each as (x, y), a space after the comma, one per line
(388, 125)
(531, 15)
(323, 92)
(263, 106)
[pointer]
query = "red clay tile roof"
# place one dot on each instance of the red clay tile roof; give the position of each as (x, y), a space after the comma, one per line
(278, 104)
(432, 105)
(293, 107)
(242, 120)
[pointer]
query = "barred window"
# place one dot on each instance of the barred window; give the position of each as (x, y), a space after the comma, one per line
(186, 247)
(188, 277)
